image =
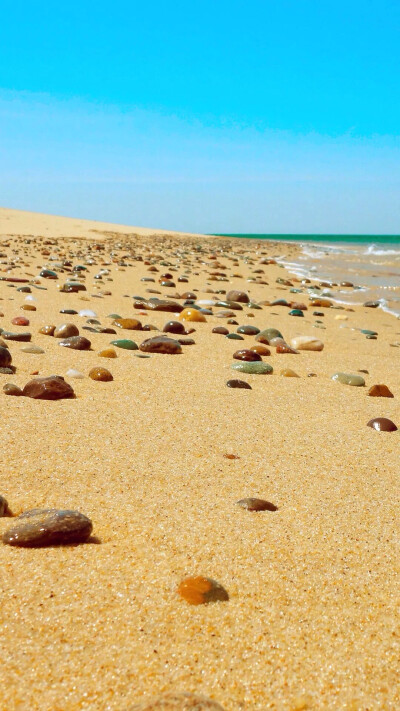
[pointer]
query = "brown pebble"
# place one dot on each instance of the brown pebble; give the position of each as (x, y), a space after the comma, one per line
(284, 348)
(53, 387)
(261, 350)
(380, 391)
(66, 330)
(247, 355)
(200, 590)
(131, 324)
(234, 383)
(160, 344)
(48, 527)
(220, 329)
(231, 456)
(108, 353)
(11, 389)
(28, 307)
(256, 505)
(47, 330)
(101, 374)
(382, 424)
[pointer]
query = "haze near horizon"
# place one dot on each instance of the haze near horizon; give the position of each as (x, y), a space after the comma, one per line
(270, 118)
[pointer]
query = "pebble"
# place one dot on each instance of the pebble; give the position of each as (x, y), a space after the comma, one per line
(125, 343)
(296, 312)
(235, 337)
(52, 387)
(178, 701)
(77, 343)
(192, 315)
(220, 329)
(20, 321)
(256, 505)
(382, 424)
(101, 374)
(246, 355)
(160, 344)
(88, 313)
(349, 379)
(32, 349)
(48, 527)
(7, 371)
(260, 349)
(174, 327)
(28, 307)
(72, 287)
(107, 353)
(21, 337)
(239, 384)
(288, 373)
(267, 335)
(200, 590)
(155, 304)
(72, 373)
(307, 343)
(248, 330)
(372, 304)
(47, 330)
(367, 332)
(130, 324)
(5, 357)
(66, 330)
(238, 296)
(3, 506)
(253, 368)
(380, 391)
(284, 348)
(11, 389)
(69, 312)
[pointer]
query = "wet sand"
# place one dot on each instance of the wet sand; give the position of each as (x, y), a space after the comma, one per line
(312, 618)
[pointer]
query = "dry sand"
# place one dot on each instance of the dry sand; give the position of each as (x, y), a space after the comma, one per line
(313, 616)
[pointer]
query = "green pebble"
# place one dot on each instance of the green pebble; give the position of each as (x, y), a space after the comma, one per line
(271, 333)
(125, 343)
(114, 316)
(234, 337)
(253, 368)
(252, 305)
(349, 379)
(296, 312)
(369, 333)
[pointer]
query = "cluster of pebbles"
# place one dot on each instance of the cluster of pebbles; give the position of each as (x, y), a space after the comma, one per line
(85, 272)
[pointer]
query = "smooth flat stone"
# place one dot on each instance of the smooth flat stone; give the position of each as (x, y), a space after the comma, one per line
(77, 343)
(246, 354)
(296, 312)
(232, 305)
(20, 321)
(48, 527)
(21, 337)
(72, 373)
(107, 353)
(256, 505)
(101, 374)
(241, 384)
(48, 274)
(11, 389)
(382, 424)
(87, 313)
(160, 344)
(72, 287)
(130, 324)
(253, 368)
(69, 312)
(32, 349)
(200, 591)
(178, 701)
(234, 337)
(289, 373)
(380, 391)
(53, 387)
(125, 343)
(248, 330)
(349, 379)
(307, 343)
(367, 332)
(164, 305)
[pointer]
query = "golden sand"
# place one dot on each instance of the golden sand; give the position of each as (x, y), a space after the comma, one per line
(312, 620)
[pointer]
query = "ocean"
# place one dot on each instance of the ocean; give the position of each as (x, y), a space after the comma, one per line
(370, 262)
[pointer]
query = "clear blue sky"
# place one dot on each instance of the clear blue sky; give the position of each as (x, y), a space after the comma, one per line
(257, 116)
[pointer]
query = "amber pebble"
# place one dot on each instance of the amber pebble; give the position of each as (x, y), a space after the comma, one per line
(200, 590)
(11, 389)
(322, 303)
(382, 424)
(20, 321)
(261, 350)
(220, 329)
(131, 324)
(47, 330)
(3, 506)
(284, 348)
(192, 315)
(238, 296)
(256, 505)
(100, 374)
(247, 355)
(108, 353)
(178, 701)
(231, 456)
(66, 330)
(28, 307)
(288, 373)
(174, 327)
(380, 391)
(53, 387)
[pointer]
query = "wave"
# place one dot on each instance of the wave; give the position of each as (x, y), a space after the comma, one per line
(375, 249)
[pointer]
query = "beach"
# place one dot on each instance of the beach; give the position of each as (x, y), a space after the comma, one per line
(312, 616)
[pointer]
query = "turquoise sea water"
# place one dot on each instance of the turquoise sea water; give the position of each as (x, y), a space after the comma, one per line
(328, 238)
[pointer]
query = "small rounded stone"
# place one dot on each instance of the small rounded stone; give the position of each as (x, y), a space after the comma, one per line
(107, 353)
(48, 527)
(160, 344)
(238, 296)
(130, 324)
(380, 391)
(3, 506)
(47, 330)
(261, 350)
(191, 314)
(307, 343)
(174, 327)
(253, 368)
(284, 348)
(28, 307)
(32, 349)
(20, 321)
(76, 343)
(349, 379)
(53, 387)
(257, 505)
(101, 374)
(66, 330)
(267, 335)
(220, 329)
(248, 330)
(382, 424)
(238, 384)
(289, 373)
(11, 389)
(296, 312)
(200, 590)
(246, 355)
(125, 343)
(5, 357)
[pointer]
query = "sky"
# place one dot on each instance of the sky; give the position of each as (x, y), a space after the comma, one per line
(265, 116)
